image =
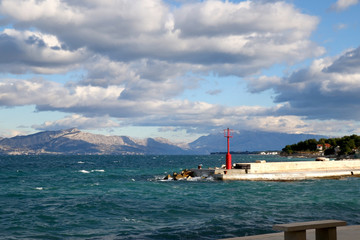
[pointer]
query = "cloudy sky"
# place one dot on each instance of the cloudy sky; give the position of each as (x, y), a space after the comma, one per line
(179, 68)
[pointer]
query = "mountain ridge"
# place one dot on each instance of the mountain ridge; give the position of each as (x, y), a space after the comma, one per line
(74, 141)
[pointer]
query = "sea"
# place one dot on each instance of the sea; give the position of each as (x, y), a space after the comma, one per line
(125, 197)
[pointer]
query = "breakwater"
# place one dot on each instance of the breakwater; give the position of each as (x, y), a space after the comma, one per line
(284, 171)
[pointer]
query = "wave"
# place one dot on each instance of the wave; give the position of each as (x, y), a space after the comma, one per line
(91, 171)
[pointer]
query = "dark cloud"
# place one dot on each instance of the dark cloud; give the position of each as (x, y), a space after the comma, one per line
(347, 63)
(35, 52)
(77, 121)
(328, 89)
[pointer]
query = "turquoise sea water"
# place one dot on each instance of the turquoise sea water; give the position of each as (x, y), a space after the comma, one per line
(122, 197)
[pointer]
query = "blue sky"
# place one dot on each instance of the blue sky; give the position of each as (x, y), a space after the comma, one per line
(179, 69)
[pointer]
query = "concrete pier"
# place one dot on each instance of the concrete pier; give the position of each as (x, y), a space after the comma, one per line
(283, 171)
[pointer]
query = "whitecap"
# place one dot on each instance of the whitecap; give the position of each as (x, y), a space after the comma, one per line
(133, 220)
(80, 162)
(39, 188)
(160, 178)
(202, 178)
(84, 171)
(165, 180)
(98, 170)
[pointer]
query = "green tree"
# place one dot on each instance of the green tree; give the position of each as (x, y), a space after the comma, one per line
(348, 145)
(288, 149)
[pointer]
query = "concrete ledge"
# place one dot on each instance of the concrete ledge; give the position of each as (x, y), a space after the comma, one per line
(344, 233)
(324, 230)
(291, 176)
(297, 226)
(303, 166)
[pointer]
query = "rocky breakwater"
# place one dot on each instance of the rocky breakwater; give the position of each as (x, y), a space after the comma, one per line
(183, 175)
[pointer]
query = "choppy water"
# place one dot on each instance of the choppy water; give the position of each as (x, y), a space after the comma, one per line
(121, 197)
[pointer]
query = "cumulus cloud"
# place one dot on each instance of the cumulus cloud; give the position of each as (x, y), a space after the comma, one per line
(137, 57)
(77, 121)
(91, 103)
(8, 133)
(328, 89)
(239, 39)
(216, 18)
(342, 5)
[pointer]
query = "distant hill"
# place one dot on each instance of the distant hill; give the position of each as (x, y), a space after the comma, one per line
(74, 141)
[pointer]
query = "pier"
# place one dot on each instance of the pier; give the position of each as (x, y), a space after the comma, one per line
(283, 171)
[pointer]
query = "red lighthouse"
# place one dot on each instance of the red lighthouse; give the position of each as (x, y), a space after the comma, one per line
(227, 134)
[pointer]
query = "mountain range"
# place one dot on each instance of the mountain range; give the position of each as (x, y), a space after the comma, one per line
(73, 141)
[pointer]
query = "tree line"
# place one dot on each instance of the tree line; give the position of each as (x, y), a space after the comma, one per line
(346, 145)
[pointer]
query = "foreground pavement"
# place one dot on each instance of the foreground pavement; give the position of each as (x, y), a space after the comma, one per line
(343, 233)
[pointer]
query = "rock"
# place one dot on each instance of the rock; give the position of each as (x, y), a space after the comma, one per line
(187, 174)
(168, 177)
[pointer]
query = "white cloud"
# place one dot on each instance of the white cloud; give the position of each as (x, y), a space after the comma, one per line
(79, 122)
(8, 133)
(94, 101)
(32, 10)
(340, 26)
(139, 56)
(248, 18)
(95, 107)
(286, 124)
(51, 95)
(238, 38)
(143, 79)
(342, 5)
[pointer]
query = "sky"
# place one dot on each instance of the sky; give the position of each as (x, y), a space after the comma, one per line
(179, 69)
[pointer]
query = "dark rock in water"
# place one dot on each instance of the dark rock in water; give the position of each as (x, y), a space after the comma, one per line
(185, 174)
(168, 177)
